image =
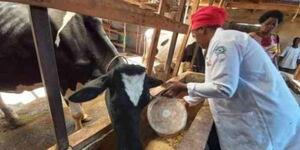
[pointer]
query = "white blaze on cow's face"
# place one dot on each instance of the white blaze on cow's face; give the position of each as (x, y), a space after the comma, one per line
(134, 86)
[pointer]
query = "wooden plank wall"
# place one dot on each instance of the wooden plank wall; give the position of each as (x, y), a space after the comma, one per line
(117, 10)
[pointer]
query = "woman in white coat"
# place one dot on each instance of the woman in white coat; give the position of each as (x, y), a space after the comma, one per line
(252, 107)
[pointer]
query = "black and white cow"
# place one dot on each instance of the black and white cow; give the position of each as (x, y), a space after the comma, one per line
(81, 55)
(128, 93)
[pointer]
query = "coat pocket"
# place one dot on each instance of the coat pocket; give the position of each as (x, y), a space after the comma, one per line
(242, 131)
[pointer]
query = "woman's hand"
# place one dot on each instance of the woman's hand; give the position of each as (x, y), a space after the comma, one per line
(173, 88)
(182, 101)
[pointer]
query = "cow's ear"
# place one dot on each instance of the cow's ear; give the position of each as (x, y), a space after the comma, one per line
(91, 90)
(153, 82)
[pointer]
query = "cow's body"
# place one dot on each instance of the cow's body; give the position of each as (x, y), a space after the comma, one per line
(163, 45)
(128, 93)
(81, 54)
(189, 56)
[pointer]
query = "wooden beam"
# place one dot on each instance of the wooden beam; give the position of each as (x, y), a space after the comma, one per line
(89, 134)
(141, 5)
(288, 8)
(293, 84)
(179, 17)
(44, 47)
(297, 73)
(111, 9)
(203, 4)
(155, 37)
(185, 40)
(221, 3)
(124, 37)
(255, 1)
(296, 14)
(264, 6)
(141, 40)
(211, 2)
(153, 51)
(197, 135)
(137, 40)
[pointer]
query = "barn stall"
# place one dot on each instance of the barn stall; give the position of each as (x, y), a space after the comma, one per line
(100, 135)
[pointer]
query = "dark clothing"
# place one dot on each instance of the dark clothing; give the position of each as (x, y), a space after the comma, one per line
(199, 63)
(291, 71)
(213, 140)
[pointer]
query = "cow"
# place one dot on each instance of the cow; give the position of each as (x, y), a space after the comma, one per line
(128, 93)
(163, 46)
(189, 56)
(81, 53)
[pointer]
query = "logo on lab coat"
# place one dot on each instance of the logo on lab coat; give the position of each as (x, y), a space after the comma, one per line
(220, 50)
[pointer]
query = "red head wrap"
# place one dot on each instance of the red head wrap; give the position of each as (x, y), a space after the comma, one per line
(208, 16)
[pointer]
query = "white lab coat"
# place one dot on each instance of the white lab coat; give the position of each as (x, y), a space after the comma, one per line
(252, 107)
(290, 56)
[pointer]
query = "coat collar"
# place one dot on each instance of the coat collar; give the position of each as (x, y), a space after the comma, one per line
(215, 37)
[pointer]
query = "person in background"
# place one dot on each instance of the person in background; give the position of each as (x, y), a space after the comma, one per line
(265, 36)
(251, 105)
(290, 57)
(193, 54)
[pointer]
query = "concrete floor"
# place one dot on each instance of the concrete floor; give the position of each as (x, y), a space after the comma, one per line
(38, 132)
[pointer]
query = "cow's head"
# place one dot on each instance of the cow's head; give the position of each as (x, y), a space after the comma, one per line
(125, 78)
(128, 93)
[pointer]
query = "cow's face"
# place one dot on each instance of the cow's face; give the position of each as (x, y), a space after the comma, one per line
(129, 78)
(128, 93)
(133, 86)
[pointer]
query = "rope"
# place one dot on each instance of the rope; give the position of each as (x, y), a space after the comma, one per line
(112, 60)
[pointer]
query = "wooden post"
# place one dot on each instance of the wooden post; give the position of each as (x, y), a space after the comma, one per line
(185, 40)
(45, 53)
(179, 17)
(211, 2)
(137, 40)
(141, 40)
(221, 3)
(297, 12)
(186, 12)
(155, 37)
(124, 38)
(297, 73)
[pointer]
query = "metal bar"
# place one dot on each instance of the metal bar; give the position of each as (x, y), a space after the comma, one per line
(45, 53)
